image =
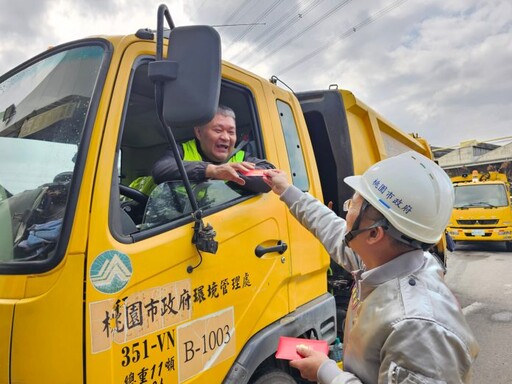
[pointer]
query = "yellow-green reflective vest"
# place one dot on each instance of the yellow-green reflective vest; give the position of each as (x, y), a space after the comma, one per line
(145, 184)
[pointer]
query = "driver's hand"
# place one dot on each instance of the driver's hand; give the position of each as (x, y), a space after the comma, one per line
(228, 171)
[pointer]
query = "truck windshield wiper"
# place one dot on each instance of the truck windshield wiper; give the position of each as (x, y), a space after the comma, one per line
(478, 204)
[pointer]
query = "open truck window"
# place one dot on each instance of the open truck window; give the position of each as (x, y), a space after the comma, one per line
(146, 205)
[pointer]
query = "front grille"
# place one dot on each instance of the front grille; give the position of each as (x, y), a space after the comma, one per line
(478, 222)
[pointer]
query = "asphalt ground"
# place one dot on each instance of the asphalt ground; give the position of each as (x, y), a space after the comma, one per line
(480, 275)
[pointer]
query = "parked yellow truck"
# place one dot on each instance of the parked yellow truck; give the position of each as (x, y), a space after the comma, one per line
(482, 209)
(102, 283)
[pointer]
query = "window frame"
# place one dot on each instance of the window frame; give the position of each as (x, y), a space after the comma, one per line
(229, 89)
(296, 159)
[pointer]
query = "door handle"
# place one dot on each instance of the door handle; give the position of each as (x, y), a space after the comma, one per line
(281, 247)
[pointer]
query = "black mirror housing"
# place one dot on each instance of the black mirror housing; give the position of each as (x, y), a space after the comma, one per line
(191, 76)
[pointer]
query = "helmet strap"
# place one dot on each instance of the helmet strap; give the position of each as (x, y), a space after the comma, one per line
(353, 233)
(359, 217)
(413, 243)
(392, 231)
(357, 222)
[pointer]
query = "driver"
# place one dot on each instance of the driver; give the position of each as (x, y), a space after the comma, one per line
(212, 155)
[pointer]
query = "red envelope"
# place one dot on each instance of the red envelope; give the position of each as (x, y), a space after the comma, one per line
(254, 172)
(287, 347)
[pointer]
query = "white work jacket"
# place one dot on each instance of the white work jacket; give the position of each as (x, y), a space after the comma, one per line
(403, 323)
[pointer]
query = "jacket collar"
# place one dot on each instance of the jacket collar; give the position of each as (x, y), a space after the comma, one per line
(400, 266)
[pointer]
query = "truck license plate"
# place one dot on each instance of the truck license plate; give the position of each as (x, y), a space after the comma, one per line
(478, 232)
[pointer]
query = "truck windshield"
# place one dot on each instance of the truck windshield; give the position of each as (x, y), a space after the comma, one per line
(482, 195)
(43, 108)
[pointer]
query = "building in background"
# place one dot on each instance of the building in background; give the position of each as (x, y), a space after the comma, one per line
(472, 155)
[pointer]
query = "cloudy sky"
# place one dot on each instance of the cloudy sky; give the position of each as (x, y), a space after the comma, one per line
(439, 68)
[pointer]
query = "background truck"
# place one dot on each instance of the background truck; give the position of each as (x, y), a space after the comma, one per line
(103, 283)
(482, 209)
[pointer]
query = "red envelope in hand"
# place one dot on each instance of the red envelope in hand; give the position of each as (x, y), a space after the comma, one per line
(287, 347)
(254, 172)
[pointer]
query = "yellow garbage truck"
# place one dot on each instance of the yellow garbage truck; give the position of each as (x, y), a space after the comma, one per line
(482, 209)
(105, 280)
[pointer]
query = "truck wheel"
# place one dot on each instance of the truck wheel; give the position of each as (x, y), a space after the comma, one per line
(508, 245)
(275, 377)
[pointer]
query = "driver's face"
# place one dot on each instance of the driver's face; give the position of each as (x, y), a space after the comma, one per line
(217, 138)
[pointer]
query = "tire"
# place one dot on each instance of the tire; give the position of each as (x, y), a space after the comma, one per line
(508, 246)
(275, 377)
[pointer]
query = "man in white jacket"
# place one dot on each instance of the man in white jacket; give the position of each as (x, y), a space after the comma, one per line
(403, 323)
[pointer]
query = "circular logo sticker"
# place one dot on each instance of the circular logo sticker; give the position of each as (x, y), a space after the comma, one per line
(111, 271)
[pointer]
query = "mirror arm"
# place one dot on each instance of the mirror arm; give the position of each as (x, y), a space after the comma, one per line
(161, 71)
(174, 146)
(164, 73)
(162, 11)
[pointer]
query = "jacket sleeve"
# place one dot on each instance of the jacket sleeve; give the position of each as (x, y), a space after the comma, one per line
(322, 222)
(260, 163)
(330, 373)
(166, 168)
(415, 351)
(420, 350)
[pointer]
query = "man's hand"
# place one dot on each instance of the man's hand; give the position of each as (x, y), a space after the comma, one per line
(277, 180)
(310, 363)
(228, 171)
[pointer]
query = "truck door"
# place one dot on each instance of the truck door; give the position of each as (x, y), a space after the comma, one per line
(157, 309)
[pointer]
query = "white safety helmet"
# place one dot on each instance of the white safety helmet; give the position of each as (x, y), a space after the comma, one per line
(412, 192)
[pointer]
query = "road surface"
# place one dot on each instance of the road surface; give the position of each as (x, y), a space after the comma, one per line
(480, 275)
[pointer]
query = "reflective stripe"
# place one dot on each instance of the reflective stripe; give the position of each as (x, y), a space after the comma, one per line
(190, 153)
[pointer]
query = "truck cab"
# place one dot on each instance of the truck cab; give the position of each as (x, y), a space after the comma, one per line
(482, 209)
(102, 280)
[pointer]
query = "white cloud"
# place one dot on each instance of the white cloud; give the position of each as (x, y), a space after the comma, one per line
(441, 69)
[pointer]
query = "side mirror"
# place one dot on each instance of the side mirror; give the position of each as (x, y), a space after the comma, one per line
(190, 76)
